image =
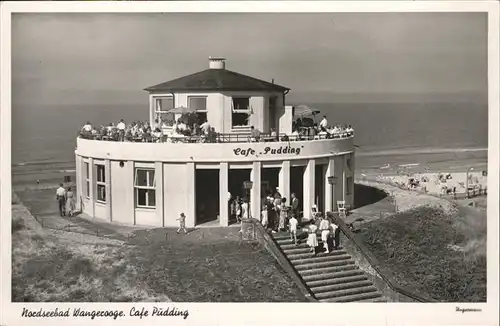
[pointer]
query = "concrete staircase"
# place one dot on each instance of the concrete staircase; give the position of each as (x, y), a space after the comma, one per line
(332, 277)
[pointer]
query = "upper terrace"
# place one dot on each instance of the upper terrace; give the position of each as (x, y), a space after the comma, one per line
(217, 105)
(139, 132)
(195, 146)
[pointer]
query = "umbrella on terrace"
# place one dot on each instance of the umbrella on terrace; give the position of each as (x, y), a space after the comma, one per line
(304, 110)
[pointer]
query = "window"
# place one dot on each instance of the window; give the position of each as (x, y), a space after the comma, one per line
(348, 186)
(199, 103)
(241, 111)
(145, 183)
(101, 183)
(162, 105)
(87, 179)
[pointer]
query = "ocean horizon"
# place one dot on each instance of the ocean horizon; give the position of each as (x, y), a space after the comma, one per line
(44, 137)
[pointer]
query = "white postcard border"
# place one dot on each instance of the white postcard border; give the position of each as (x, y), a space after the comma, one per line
(252, 313)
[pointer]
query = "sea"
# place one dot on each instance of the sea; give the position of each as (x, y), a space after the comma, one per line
(415, 134)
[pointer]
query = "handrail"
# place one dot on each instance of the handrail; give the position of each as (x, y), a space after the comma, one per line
(384, 273)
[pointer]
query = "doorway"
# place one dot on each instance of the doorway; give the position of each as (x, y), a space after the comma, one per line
(207, 196)
(319, 185)
(270, 177)
(236, 179)
(297, 183)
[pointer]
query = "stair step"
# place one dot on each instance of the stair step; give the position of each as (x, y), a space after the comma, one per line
(346, 292)
(283, 236)
(319, 272)
(307, 254)
(332, 263)
(319, 259)
(354, 297)
(342, 286)
(293, 246)
(300, 245)
(289, 241)
(336, 280)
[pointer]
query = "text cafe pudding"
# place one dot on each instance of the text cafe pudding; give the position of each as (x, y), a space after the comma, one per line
(267, 151)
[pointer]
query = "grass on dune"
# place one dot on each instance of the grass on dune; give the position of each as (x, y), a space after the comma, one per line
(441, 254)
(45, 270)
(60, 266)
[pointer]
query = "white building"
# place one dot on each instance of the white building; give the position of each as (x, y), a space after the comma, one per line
(152, 183)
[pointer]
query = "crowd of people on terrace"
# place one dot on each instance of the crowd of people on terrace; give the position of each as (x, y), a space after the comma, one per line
(138, 131)
(323, 130)
(184, 130)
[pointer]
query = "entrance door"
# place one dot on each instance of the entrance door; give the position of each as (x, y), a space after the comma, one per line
(207, 195)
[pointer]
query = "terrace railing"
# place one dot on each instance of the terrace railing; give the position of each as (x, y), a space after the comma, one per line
(218, 138)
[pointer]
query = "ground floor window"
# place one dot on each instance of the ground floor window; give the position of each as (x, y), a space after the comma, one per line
(87, 179)
(101, 183)
(145, 188)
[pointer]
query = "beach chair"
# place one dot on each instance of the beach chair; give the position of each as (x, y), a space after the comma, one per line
(341, 208)
(314, 211)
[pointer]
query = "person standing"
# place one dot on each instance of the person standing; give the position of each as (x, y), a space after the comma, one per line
(70, 202)
(121, 130)
(295, 205)
(270, 213)
(283, 214)
(61, 199)
(244, 209)
(233, 209)
(182, 224)
(312, 240)
(293, 229)
(238, 209)
(336, 235)
(277, 205)
(324, 227)
(264, 216)
(323, 124)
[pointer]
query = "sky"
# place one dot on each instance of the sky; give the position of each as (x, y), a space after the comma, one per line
(325, 57)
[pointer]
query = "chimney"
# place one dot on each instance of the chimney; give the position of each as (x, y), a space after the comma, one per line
(216, 63)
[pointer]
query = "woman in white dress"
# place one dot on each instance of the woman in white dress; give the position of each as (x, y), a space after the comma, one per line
(312, 240)
(324, 227)
(244, 209)
(265, 216)
(70, 202)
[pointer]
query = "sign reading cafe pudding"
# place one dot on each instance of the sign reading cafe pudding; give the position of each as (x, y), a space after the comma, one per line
(270, 151)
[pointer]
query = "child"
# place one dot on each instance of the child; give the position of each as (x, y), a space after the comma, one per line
(312, 240)
(182, 223)
(265, 216)
(293, 229)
